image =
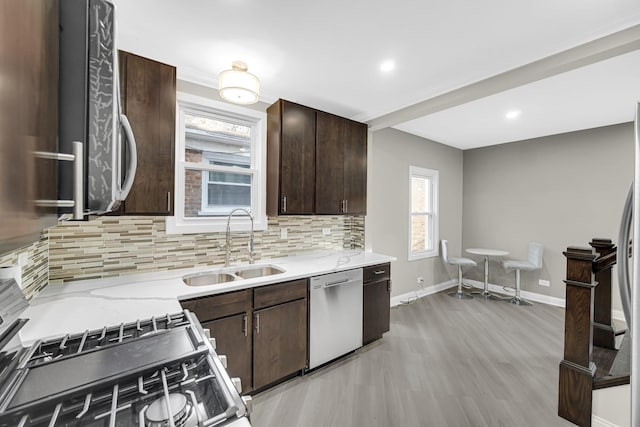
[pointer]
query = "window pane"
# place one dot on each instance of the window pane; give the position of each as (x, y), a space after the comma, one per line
(223, 195)
(206, 197)
(229, 177)
(216, 141)
(420, 194)
(420, 233)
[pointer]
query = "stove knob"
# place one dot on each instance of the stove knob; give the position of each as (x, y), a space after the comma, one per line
(207, 333)
(213, 342)
(248, 402)
(223, 360)
(237, 383)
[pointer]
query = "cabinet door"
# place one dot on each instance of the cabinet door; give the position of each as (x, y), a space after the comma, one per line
(330, 144)
(28, 118)
(376, 310)
(355, 168)
(234, 340)
(298, 159)
(279, 342)
(149, 102)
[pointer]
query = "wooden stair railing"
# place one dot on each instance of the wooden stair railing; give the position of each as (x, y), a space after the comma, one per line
(591, 360)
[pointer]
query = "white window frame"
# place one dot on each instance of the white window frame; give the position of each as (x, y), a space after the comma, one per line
(433, 177)
(204, 206)
(179, 224)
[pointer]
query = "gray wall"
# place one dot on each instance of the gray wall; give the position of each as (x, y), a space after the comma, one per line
(390, 155)
(560, 190)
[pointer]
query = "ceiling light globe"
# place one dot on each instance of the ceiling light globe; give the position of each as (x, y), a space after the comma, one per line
(239, 86)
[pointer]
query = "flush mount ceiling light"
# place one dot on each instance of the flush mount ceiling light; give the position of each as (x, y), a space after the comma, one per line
(512, 114)
(387, 66)
(239, 86)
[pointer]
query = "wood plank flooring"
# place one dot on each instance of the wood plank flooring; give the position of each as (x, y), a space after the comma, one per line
(445, 362)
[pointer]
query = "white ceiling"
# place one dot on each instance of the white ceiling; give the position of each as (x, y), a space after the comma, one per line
(327, 55)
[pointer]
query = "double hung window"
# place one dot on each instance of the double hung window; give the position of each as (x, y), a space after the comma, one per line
(423, 215)
(219, 165)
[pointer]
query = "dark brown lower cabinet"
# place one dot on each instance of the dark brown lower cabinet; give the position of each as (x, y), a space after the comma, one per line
(376, 302)
(279, 342)
(234, 340)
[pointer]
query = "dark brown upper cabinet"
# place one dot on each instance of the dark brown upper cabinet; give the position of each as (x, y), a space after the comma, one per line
(341, 164)
(148, 91)
(291, 159)
(28, 119)
(316, 162)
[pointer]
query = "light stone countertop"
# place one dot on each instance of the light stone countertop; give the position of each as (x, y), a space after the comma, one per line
(91, 304)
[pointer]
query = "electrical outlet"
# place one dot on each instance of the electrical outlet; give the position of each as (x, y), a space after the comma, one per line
(326, 231)
(544, 283)
(284, 233)
(420, 280)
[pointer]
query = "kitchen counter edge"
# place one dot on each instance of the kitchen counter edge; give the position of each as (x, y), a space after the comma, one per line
(90, 304)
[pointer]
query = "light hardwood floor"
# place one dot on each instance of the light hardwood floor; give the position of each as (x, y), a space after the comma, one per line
(445, 362)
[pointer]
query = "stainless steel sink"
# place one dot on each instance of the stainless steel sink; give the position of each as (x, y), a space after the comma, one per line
(208, 278)
(253, 272)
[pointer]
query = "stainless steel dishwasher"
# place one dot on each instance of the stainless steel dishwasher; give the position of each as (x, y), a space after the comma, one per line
(335, 315)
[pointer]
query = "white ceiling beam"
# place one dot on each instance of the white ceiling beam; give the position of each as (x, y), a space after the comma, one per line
(609, 46)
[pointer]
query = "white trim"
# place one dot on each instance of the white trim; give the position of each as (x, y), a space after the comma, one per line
(618, 315)
(532, 296)
(179, 224)
(403, 298)
(597, 421)
(434, 177)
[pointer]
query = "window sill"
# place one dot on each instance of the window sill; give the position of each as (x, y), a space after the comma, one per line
(416, 256)
(209, 225)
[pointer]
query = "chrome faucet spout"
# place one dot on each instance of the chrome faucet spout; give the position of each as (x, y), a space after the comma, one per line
(228, 237)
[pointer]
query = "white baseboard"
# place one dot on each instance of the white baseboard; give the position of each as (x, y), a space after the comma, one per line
(532, 296)
(596, 421)
(403, 298)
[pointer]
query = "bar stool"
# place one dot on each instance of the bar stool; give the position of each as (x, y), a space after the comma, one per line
(444, 253)
(533, 263)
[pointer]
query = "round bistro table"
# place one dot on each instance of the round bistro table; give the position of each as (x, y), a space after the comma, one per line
(486, 253)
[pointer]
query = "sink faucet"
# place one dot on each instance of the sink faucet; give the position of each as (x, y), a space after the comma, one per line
(228, 244)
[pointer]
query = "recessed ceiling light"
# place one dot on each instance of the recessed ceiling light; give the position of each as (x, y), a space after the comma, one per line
(512, 114)
(387, 66)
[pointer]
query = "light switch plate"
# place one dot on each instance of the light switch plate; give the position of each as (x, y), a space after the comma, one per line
(326, 231)
(544, 283)
(284, 233)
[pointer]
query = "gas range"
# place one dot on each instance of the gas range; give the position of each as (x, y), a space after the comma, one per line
(156, 372)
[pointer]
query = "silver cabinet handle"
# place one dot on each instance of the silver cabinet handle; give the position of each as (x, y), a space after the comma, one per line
(346, 206)
(342, 206)
(257, 323)
(379, 272)
(244, 325)
(389, 286)
(284, 203)
(78, 179)
(168, 201)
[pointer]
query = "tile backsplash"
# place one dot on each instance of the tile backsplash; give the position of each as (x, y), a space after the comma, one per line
(113, 246)
(35, 272)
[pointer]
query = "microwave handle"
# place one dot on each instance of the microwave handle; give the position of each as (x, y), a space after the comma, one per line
(133, 157)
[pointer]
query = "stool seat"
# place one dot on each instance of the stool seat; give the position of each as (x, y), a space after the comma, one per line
(462, 261)
(533, 263)
(459, 262)
(522, 265)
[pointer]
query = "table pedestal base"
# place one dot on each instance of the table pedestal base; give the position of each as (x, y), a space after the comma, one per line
(460, 295)
(519, 301)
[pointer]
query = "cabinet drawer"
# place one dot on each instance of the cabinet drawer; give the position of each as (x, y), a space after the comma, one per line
(219, 306)
(375, 273)
(267, 296)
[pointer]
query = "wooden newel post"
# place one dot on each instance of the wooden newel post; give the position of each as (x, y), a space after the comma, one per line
(604, 334)
(576, 369)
